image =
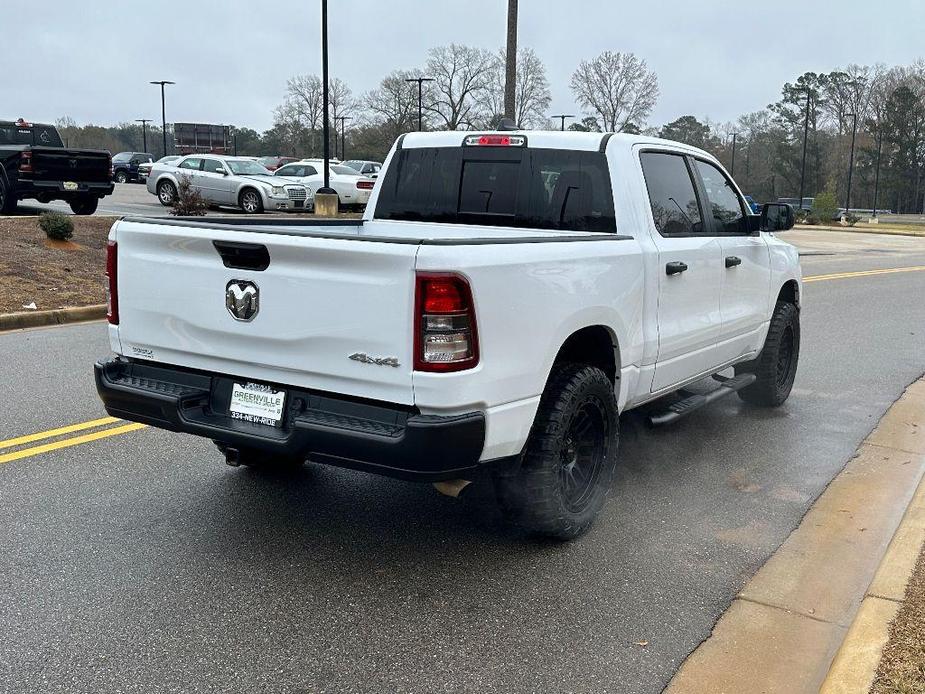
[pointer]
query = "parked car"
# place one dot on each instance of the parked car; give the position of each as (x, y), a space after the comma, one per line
(125, 165)
(476, 324)
(753, 204)
(273, 163)
(367, 168)
(34, 163)
(144, 169)
(352, 188)
(228, 181)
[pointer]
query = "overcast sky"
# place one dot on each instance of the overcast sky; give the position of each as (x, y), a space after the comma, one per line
(93, 59)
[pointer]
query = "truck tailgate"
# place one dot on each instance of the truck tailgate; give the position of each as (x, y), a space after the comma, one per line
(321, 300)
(56, 164)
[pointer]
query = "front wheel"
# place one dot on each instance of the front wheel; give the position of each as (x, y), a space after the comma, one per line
(570, 458)
(121, 177)
(250, 201)
(776, 366)
(84, 205)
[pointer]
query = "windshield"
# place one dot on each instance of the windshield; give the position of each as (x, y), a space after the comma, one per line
(245, 167)
(500, 186)
(343, 170)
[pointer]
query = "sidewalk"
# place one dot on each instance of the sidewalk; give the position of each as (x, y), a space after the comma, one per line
(789, 622)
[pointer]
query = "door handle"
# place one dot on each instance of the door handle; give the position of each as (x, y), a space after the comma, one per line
(675, 267)
(732, 261)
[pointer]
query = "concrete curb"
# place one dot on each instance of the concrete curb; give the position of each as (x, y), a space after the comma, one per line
(34, 319)
(857, 230)
(785, 628)
(855, 664)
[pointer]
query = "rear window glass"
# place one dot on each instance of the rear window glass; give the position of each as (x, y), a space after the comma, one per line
(38, 135)
(499, 186)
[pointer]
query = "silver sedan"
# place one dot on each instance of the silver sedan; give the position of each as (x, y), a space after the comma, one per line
(228, 181)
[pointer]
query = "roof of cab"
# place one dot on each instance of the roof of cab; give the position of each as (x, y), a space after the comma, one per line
(546, 139)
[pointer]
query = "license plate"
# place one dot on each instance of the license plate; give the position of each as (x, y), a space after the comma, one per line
(70, 185)
(257, 403)
(298, 203)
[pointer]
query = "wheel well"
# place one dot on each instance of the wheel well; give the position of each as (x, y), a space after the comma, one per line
(593, 345)
(247, 188)
(790, 293)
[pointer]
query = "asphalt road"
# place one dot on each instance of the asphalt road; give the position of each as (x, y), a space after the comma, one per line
(141, 563)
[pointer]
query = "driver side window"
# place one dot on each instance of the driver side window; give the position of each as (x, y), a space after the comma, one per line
(672, 197)
(723, 200)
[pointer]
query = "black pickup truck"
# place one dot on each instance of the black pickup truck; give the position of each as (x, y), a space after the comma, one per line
(34, 163)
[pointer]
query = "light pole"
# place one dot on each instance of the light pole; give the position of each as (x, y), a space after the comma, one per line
(854, 132)
(343, 136)
(326, 189)
(510, 62)
(877, 175)
(562, 117)
(805, 136)
(420, 81)
(163, 84)
(732, 169)
(144, 133)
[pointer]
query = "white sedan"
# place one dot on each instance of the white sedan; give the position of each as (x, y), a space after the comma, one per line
(352, 188)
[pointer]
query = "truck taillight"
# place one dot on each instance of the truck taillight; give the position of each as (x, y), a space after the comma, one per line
(25, 162)
(112, 300)
(365, 185)
(445, 335)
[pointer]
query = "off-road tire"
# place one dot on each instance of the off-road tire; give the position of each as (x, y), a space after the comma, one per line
(121, 177)
(250, 201)
(166, 193)
(84, 205)
(577, 420)
(776, 366)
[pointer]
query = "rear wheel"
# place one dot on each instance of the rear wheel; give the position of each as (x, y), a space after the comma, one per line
(568, 466)
(250, 201)
(7, 201)
(85, 204)
(776, 367)
(166, 193)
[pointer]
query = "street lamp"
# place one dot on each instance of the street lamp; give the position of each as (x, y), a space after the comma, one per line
(805, 136)
(163, 83)
(732, 169)
(877, 175)
(854, 132)
(420, 81)
(326, 189)
(562, 117)
(343, 136)
(144, 133)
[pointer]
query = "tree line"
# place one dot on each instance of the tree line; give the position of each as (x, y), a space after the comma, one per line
(882, 107)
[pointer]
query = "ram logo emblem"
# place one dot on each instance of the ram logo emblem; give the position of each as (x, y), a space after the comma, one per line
(242, 299)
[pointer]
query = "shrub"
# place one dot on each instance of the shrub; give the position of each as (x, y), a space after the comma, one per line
(56, 226)
(825, 207)
(189, 202)
(851, 219)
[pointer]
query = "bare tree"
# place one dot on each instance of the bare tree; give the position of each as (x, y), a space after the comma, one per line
(393, 105)
(618, 87)
(460, 74)
(531, 97)
(849, 91)
(299, 118)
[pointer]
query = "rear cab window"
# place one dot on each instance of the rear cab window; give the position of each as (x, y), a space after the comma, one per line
(520, 187)
(37, 135)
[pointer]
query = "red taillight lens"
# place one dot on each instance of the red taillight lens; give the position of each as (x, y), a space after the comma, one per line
(112, 302)
(365, 185)
(445, 335)
(25, 162)
(495, 141)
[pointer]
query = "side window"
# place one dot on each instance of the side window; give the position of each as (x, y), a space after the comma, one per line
(675, 208)
(725, 205)
(212, 166)
(310, 171)
(191, 163)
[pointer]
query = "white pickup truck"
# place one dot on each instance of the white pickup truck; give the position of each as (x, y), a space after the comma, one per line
(504, 298)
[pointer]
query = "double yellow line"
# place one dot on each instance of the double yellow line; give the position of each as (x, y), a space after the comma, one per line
(863, 273)
(23, 450)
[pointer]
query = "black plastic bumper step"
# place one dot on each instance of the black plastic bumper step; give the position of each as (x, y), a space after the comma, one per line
(694, 402)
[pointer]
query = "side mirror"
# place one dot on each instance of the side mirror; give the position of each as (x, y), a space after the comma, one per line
(776, 216)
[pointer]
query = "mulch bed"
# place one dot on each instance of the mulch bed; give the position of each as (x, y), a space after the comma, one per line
(902, 666)
(53, 275)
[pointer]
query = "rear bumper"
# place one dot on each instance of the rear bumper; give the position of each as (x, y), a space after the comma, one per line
(374, 437)
(26, 188)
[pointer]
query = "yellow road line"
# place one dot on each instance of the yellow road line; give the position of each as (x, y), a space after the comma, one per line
(20, 440)
(67, 443)
(862, 273)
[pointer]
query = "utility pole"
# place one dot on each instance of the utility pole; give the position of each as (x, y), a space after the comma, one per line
(343, 136)
(510, 65)
(420, 81)
(163, 83)
(877, 175)
(562, 117)
(144, 133)
(805, 136)
(854, 132)
(324, 98)
(732, 171)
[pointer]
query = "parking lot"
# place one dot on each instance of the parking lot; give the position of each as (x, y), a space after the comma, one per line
(136, 560)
